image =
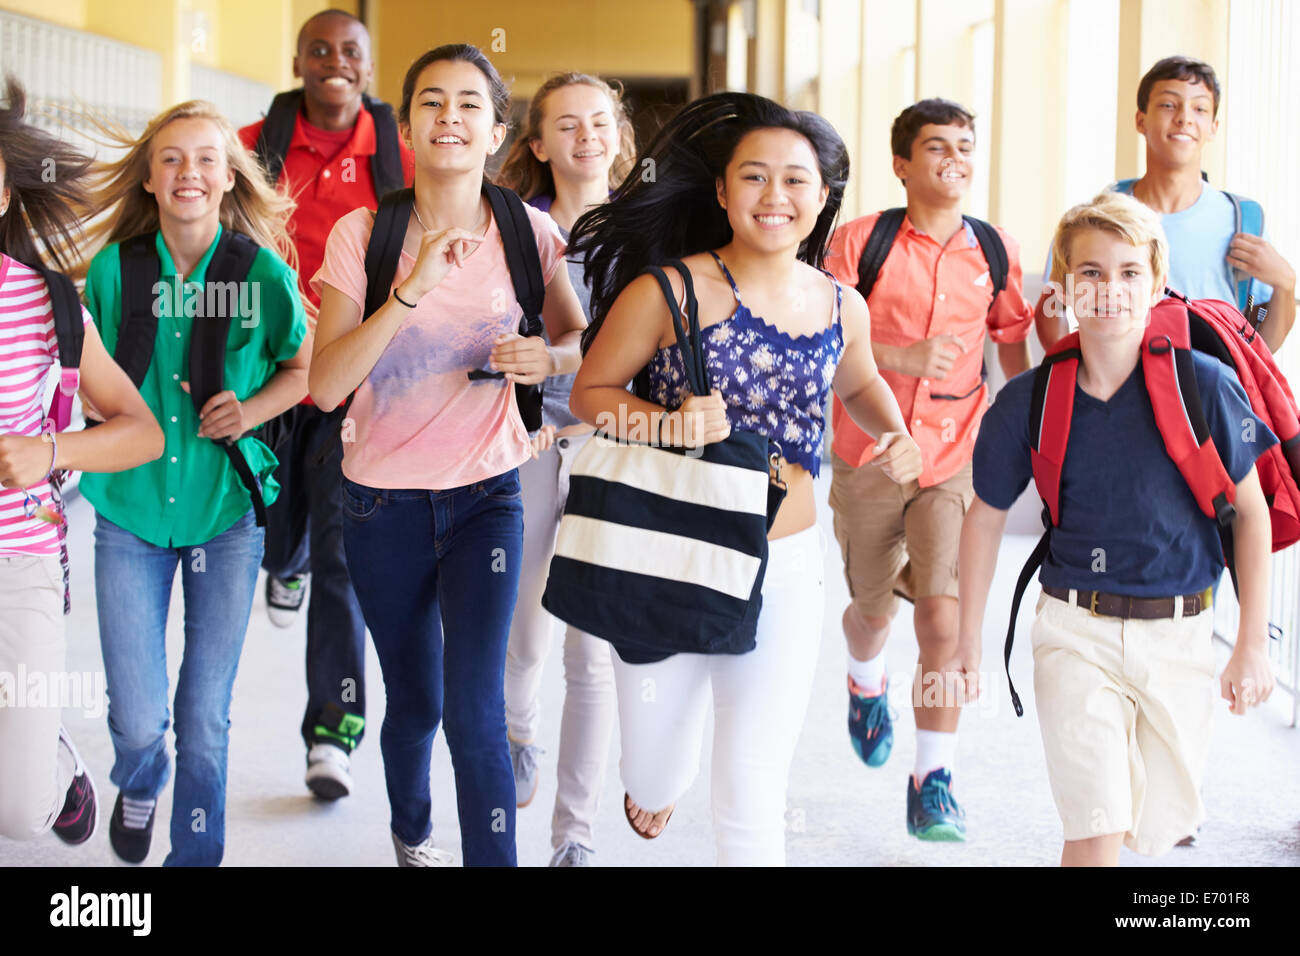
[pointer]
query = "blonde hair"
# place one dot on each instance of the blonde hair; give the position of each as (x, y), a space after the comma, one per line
(1120, 215)
(253, 207)
(529, 176)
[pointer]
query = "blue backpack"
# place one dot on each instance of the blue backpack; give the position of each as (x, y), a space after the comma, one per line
(1248, 217)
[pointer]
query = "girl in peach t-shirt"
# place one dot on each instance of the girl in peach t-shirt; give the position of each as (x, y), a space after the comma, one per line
(432, 516)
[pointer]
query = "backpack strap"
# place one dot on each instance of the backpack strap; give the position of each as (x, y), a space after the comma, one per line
(876, 251)
(1247, 217)
(525, 264)
(277, 132)
(386, 166)
(70, 332)
(138, 332)
(1051, 410)
(995, 254)
(385, 247)
(230, 263)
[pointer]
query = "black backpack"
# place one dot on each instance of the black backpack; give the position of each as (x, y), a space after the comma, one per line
(881, 241)
(385, 248)
(277, 132)
(138, 334)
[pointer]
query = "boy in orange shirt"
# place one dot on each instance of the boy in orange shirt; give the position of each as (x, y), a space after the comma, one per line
(944, 283)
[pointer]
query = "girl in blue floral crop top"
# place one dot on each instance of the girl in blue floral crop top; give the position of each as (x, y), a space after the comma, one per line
(745, 192)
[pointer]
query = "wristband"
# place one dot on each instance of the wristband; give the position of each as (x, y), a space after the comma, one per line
(54, 442)
(409, 305)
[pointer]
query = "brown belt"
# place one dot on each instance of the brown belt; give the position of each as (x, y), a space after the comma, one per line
(1123, 606)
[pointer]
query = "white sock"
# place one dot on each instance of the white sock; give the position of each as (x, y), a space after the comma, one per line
(934, 749)
(868, 674)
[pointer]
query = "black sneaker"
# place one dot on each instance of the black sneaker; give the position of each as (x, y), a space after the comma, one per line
(79, 819)
(131, 843)
(284, 598)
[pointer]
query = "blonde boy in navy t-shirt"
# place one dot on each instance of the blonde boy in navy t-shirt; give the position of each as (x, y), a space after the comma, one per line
(1124, 704)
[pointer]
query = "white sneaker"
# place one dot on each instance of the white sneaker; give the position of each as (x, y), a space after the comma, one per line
(329, 771)
(284, 598)
(422, 854)
(572, 854)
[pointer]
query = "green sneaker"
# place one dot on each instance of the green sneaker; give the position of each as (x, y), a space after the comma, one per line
(932, 811)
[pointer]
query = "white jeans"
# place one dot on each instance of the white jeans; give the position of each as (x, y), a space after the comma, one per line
(35, 772)
(759, 699)
(587, 724)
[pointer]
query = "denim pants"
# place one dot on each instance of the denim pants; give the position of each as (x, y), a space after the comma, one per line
(304, 534)
(437, 574)
(133, 585)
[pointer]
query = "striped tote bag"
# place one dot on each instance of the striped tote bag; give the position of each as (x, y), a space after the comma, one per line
(663, 550)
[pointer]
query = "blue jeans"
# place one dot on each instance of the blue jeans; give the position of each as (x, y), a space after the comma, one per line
(304, 533)
(133, 585)
(437, 573)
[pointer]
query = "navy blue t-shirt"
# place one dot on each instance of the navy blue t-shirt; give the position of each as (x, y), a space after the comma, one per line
(1129, 523)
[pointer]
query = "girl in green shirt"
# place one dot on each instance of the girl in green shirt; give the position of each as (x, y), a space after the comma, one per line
(174, 197)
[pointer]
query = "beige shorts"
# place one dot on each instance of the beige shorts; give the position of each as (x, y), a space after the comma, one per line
(897, 540)
(1125, 709)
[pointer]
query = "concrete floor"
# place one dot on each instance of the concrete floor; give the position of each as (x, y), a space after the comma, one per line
(840, 812)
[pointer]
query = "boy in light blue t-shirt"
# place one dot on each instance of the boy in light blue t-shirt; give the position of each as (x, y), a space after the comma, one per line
(1178, 105)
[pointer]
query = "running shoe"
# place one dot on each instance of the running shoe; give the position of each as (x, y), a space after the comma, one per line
(284, 598)
(572, 854)
(871, 725)
(932, 811)
(130, 830)
(79, 818)
(422, 854)
(523, 758)
(329, 773)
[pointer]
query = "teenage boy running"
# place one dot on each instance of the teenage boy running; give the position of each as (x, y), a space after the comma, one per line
(1178, 108)
(931, 307)
(331, 166)
(1125, 693)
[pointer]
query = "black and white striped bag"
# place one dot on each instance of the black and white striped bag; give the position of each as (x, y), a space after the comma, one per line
(663, 550)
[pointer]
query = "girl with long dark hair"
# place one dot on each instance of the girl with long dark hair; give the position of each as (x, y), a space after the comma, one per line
(577, 145)
(432, 516)
(43, 783)
(745, 192)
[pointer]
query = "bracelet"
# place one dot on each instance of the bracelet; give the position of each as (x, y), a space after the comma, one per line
(55, 456)
(409, 305)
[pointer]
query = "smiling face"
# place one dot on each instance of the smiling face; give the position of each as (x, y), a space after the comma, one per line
(941, 165)
(452, 127)
(334, 60)
(773, 190)
(579, 133)
(1179, 121)
(189, 172)
(1110, 284)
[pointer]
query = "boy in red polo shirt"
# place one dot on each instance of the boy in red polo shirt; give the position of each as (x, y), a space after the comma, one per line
(932, 303)
(342, 152)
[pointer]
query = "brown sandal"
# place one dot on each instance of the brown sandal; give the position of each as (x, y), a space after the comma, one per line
(627, 813)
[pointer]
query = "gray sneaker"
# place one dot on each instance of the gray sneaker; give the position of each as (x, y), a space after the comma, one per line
(422, 854)
(572, 854)
(523, 757)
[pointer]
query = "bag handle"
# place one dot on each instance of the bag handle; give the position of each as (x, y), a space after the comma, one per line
(688, 336)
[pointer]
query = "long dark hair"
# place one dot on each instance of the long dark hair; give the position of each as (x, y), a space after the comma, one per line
(668, 207)
(47, 188)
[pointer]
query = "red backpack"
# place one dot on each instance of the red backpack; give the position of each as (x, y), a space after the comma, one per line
(1177, 327)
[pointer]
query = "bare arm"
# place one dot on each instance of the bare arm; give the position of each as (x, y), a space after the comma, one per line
(867, 397)
(1013, 357)
(130, 435)
(1247, 679)
(981, 535)
(530, 360)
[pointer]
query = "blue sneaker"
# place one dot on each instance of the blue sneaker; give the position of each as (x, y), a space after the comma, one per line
(932, 812)
(871, 725)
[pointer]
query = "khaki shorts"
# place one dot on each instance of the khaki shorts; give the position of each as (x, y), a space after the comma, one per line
(897, 540)
(1125, 709)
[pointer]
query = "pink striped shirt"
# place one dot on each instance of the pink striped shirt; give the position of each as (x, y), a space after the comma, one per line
(28, 350)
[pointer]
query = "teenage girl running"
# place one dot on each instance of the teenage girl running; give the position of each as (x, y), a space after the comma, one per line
(432, 517)
(745, 192)
(184, 183)
(43, 783)
(577, 145)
